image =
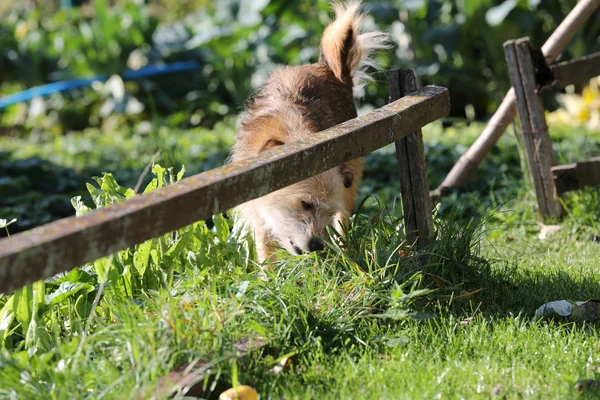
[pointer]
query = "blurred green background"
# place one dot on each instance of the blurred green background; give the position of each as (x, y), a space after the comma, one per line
(50, 147)
(456, 44)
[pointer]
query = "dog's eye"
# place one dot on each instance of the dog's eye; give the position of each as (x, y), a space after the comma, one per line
(307, 206)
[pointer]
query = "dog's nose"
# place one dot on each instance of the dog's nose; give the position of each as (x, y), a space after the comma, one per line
(315, 244)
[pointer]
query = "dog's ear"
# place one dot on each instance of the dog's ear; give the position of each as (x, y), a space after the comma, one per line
(269, 144)
(347, 174)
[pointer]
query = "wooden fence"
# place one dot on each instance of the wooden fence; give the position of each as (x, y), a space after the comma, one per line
(65, 244)
(529, 75)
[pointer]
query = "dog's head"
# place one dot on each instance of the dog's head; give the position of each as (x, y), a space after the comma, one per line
(296, 217)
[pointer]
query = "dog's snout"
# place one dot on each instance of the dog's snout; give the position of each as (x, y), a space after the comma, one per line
(315, 244)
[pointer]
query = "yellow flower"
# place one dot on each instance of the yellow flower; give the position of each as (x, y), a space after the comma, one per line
(581, 109)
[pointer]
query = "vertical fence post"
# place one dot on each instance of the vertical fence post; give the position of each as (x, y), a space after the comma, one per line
(410, 155)
(540, 156)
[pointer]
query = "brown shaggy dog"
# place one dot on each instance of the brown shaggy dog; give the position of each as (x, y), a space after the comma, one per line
(297, 102)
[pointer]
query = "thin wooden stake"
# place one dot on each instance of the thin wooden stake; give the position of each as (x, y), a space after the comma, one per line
(410, 155)
(533, 125)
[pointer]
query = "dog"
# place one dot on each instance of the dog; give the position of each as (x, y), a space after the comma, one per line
(294, 103)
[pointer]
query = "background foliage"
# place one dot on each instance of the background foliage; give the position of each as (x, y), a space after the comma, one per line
(238, 42)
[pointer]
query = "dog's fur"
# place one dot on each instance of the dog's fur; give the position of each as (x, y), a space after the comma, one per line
(297, 102)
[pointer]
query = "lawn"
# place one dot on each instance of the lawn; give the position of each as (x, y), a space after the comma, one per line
(374, 319)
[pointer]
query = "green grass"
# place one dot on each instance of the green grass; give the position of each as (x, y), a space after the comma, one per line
(458, 324)
(449, 359)
(324, 312)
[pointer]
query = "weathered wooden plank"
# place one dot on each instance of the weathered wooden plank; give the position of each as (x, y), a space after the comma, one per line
(540, 144)
(576, 176)
(410, 155)
(533, 124)
(68, 243)
(578, 71)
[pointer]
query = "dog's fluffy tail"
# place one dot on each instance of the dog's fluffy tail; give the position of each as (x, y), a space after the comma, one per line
(345, 50)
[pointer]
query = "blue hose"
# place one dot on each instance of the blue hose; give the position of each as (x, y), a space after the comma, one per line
(63, 86)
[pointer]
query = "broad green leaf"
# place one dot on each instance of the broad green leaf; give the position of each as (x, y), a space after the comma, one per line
(39, 290)
(102, 267)
(160, 174)
(23, 305)
(181, 173)
(96, 194)
(142, 256)
(151, 186)
(129, 193)
(179, 246)
(76, 275)
(7, 316)
(127, 281)
(39, 297)
(67, 289)
(83, 305)
(79, 206)
(21, 358)
(155, 256)
(403, 313)
(31, 336)
(221, 227)
(110, 186)
(114, 276)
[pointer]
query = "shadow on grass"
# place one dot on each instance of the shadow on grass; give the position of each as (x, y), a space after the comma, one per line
(36, 191)
(506, 289)
(520, 274)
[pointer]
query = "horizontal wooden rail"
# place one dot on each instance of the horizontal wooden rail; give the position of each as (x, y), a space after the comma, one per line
(576, 176)
(578, 71)
(65, 244)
